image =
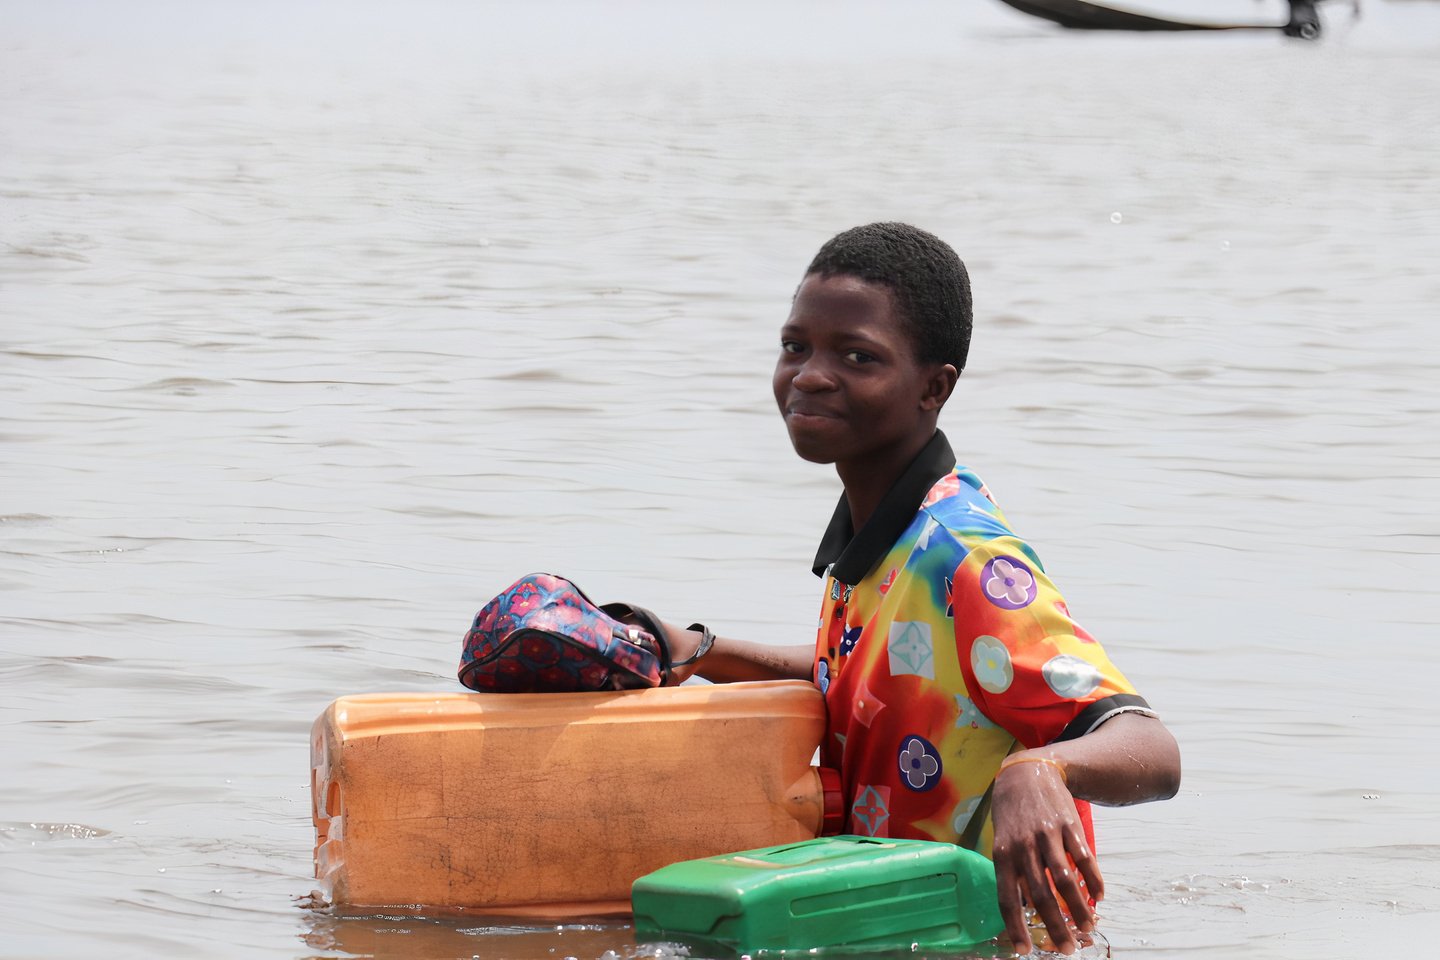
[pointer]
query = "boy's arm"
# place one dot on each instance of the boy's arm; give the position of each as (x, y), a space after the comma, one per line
(730, 661)
(1130, 758)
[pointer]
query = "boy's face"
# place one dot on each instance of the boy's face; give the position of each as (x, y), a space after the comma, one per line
(848, 382)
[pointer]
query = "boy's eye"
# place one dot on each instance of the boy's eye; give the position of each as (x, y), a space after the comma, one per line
(789, 346)
(859, 356)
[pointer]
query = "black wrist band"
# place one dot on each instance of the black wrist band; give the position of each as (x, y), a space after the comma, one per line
(707, 640)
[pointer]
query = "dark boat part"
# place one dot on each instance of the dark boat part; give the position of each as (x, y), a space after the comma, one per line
(1079, 15)
(1304, 20)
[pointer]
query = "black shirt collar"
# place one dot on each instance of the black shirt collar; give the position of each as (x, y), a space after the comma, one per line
(855, 555)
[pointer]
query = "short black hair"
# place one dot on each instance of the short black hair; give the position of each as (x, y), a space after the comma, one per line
(927, 278)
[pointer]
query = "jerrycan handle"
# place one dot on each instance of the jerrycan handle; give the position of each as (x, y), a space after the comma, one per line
(833, 819)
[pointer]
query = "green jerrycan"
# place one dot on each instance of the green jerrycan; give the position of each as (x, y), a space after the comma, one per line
(831, 892)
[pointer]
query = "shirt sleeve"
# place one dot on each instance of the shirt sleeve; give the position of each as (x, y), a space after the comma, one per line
(1028, 666)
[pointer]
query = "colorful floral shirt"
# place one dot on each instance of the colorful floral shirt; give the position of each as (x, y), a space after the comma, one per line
(943, 647)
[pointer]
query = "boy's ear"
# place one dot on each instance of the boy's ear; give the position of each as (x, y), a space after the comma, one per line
(938, 386)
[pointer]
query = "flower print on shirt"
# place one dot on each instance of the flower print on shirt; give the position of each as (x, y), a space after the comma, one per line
(822, 675)
(1071, 677)
(931, 525)
(963, 813)
(866, 706)
(991, 663)
(1008, 583)
(919, 763)
(969, 715)
(946, 487)
(912, 652)
(870, 811)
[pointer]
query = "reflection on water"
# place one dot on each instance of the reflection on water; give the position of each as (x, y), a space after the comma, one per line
(404, 936)
(319, 325)
(33, 833)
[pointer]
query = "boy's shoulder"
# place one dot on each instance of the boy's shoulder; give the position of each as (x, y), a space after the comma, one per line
(961, 503)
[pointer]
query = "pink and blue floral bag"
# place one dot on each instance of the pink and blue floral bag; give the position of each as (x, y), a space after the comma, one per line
(542, 634)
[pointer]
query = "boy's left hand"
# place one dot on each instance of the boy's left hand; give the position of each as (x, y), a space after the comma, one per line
(1040, 850)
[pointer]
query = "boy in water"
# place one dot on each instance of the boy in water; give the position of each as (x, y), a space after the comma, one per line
(963, 701)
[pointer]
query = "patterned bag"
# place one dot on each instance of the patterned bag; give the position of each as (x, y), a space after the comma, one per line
(542, 634)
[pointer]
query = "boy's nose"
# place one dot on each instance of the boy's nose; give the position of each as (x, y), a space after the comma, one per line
(813, 377)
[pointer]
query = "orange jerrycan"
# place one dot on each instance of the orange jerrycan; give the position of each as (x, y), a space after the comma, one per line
(553, 804)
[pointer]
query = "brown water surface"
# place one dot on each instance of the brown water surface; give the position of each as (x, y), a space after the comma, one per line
(321, 322)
